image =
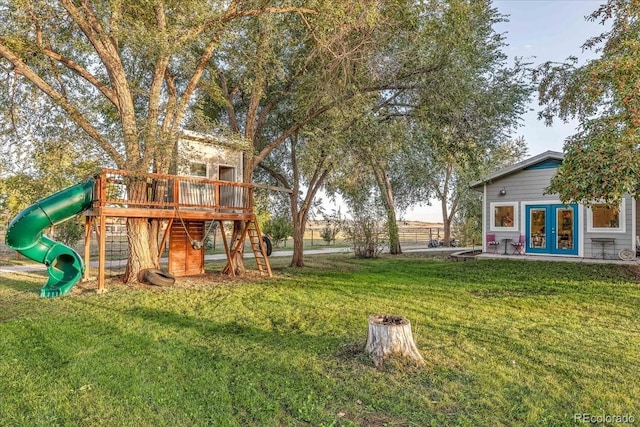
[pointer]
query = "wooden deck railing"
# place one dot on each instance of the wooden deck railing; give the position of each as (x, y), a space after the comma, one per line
(124, 189)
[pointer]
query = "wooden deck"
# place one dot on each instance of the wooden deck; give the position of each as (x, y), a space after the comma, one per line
(176, 200)
(121, 194)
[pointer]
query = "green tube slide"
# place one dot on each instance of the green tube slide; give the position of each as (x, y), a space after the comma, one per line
(24, 234)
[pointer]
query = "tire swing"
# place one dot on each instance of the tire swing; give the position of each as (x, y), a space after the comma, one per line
(158, 277)
(267, 245)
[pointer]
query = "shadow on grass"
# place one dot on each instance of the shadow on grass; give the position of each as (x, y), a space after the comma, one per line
(27, 282)
(289, 340)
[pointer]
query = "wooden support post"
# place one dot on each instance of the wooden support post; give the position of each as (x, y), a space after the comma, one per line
(389, 335)
(217, 198)
(229, 266)
(102, 233)
(164, 239)
(87, 247)
(102, 250)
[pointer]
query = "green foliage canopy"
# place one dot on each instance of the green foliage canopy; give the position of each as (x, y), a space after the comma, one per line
(125, 73)
(602, 160)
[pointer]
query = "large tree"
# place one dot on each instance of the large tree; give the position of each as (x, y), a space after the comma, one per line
(302, 166)
(468, 105)
(299, 83)
(277, 84)
(602, 160)
(125, 73)
(371, 61)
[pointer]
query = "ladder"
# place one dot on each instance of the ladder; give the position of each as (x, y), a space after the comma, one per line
(252, 230)
(257, 245)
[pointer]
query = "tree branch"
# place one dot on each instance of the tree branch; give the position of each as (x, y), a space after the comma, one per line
(297, 126)
(275, 175)
(74, 114)
(171, 101)
(193, 84)
(84, 73)
(232, 13)
(231, 112)
(257, 88)
(110, 58)
(155, 89)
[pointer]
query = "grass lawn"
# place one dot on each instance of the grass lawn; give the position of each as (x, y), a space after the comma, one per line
(505, 343)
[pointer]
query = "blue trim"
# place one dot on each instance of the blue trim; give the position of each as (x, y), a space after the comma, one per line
(545, 164)
(550, 224)
(574, 245)
(536, 250)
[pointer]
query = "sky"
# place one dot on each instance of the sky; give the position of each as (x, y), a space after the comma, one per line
(538, 31)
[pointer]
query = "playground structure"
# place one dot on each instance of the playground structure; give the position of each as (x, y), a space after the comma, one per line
(182, 204)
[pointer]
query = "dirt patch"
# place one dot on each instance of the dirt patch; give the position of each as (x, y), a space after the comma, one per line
(387, 319)
(203, 281)
(634, 270)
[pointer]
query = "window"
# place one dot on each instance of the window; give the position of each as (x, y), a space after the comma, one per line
(606, 218)
(197, 193)
(504, 217)
(198, 169)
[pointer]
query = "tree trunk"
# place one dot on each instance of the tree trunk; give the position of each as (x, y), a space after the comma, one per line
(391, 335)
(141, 253)
(384, 183)
(448, 216)
(447, 231)
(143, 246)
(297, 260)
(298, 216)
(238, 262)
(394, 236)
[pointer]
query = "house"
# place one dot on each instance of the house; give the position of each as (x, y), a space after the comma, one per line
(515, 209)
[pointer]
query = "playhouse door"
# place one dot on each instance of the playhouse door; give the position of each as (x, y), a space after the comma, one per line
(184, 260)
(552, 229)
(228, 196)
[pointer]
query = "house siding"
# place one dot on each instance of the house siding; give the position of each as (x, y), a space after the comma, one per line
(526, 187)
(522, 187)
(622, 239)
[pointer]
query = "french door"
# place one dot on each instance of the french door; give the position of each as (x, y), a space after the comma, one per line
(552, 229)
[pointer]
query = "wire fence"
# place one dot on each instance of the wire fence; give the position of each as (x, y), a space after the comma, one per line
(117, 248)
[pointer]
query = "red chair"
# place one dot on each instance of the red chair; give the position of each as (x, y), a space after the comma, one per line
(492, 244)
(518, 246)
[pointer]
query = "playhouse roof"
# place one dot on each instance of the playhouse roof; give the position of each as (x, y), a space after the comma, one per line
(546, 159)
(218, 137)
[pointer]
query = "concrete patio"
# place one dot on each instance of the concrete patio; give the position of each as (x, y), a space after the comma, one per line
(526, 257)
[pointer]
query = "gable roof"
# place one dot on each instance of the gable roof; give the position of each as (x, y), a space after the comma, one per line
(546, 159)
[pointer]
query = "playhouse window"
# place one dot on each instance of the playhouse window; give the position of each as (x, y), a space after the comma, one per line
(606, 218)
(198, 169)
(504, 216)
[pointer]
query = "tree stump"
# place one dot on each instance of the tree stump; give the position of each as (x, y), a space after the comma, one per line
(388, 335)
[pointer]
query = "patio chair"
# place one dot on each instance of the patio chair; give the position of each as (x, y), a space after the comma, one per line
(492, 244)
(518, 246)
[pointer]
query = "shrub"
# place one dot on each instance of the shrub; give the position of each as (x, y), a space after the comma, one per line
(71, 231)
(279, 229)
(368, 235)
